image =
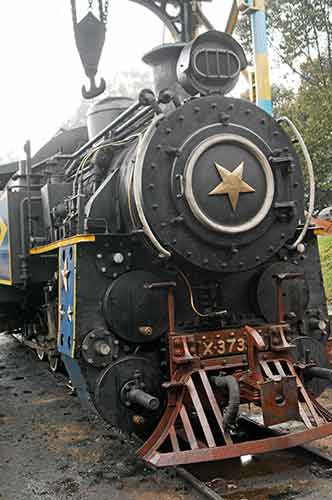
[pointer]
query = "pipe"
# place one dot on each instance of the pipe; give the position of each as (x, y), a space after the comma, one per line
(318, 372)
(143, 114)
(123, 116)
(232, 409)
(139, 397)
(311, 176)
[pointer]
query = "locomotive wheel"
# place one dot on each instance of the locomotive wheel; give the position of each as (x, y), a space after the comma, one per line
(40, 354)
(53, 362)
(108, 397)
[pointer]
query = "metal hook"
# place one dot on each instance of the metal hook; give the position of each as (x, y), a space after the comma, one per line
(94, 91)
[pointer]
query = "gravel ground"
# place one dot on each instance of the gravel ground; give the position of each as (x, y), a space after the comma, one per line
(50, 451)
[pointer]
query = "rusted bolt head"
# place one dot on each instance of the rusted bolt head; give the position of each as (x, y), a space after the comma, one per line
(147, 331)
(138, 420)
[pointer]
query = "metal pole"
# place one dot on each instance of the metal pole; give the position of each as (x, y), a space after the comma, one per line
(259, 35)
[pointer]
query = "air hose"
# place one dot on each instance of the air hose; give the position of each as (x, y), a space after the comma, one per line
(231, 411)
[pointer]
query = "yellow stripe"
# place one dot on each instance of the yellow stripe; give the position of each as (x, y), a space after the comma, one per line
(81, 238)
(259, 5)
(263, 87)
(59, 301)
(6, 282)
(74, 304)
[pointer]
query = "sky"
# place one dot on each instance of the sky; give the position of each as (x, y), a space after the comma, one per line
(41, 73)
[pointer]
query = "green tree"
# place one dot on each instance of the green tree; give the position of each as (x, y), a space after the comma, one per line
(300, 36)
(311, 111)
(300, 31)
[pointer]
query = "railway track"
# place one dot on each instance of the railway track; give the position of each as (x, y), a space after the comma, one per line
(273, 476)
(285, 474)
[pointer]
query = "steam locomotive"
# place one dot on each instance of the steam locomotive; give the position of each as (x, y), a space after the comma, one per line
(168, 261)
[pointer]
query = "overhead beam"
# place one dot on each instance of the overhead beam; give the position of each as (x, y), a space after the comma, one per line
(183, 27)
(233, 18)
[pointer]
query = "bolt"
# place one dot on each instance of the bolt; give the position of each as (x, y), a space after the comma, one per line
(138, 420)
(90, 360)
(102, 348)
(118, 258)
(99, 256)
(145, 330)
(103, 269)
(300, 248)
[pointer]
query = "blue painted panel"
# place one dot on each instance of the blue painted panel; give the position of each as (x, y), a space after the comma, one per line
(67, 300)
(258, 19)
(76, 378)
(266, 105)
(5, 260)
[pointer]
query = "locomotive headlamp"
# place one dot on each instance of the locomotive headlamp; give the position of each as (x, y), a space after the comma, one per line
(211, 63)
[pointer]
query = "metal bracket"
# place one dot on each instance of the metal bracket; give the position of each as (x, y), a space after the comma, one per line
(183, 24)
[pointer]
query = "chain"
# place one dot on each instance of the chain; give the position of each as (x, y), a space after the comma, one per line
(103, 11)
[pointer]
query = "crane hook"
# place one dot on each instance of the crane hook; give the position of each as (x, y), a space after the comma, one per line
(94, 91)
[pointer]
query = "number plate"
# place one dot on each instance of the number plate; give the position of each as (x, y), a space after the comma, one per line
(221, 344)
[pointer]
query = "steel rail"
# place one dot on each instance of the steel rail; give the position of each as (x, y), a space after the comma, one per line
(197, 484)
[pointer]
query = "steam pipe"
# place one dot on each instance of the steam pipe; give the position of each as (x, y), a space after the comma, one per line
(117, 121)
(231, 412)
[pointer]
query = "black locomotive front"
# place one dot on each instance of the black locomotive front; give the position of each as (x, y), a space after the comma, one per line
(188, 272)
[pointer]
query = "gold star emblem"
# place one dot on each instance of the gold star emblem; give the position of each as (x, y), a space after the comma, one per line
(65, 272)
(61, 311)
(69, 313)
(3, 231)
(232, 184)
